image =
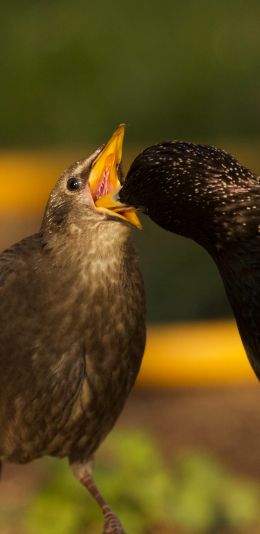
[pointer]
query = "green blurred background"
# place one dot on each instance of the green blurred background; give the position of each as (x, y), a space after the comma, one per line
(71, 71)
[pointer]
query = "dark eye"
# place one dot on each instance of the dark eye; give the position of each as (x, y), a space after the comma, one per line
(74, 184)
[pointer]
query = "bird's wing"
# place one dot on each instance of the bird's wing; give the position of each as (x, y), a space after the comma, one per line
(13, 260)
(28, 358)
(16, 296)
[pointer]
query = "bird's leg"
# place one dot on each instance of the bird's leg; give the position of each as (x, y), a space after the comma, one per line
(83, 473)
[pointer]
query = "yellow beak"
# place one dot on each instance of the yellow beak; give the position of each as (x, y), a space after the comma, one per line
(104, 181)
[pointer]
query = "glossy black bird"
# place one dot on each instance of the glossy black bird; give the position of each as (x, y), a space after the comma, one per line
(72, 323)
(203, 193)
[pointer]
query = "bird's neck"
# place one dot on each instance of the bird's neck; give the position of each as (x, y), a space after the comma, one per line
(230, 216)
(75, 244)
(240, 270)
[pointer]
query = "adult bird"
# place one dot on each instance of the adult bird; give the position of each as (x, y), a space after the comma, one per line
(203, 193)
(73, 327)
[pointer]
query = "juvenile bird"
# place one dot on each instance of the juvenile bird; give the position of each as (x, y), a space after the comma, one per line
(203, 193)
(72, 323)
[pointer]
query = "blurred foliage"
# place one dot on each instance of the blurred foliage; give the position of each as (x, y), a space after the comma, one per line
(192, 495)
(71, 71)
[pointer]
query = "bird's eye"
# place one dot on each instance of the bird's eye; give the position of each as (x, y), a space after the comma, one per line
(74, 184)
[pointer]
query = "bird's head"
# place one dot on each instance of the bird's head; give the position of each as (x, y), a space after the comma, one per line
(83, 195)
(188, 189)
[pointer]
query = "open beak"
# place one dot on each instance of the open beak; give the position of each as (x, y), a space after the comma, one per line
(104, 182)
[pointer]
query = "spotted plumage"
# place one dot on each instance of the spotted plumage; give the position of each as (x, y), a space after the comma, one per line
(203, 193)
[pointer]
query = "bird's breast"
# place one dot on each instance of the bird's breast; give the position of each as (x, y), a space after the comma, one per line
(114, 340)
(73, 359)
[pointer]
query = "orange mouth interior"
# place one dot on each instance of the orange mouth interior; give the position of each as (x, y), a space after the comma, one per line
(104, 182)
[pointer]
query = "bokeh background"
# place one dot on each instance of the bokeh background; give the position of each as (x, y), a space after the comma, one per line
(185, 455)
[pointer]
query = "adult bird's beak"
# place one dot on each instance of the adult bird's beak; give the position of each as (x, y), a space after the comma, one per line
(104, 182)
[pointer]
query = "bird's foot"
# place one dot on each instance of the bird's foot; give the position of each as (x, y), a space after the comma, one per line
(112, 524)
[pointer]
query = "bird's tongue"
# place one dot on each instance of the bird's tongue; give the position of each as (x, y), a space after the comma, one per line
(104, 182)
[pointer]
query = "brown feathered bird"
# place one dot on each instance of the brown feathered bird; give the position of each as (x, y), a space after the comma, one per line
(73, 327)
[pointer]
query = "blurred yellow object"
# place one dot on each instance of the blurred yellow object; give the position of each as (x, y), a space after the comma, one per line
(195, 354)
(26, 178)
